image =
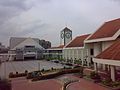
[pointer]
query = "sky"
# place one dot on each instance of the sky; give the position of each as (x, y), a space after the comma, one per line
(44, 19)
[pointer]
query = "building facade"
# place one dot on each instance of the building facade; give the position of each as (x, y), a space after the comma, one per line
(25, 48)
(102, 44)
(74, 52)
(54, 53)
(57, 52)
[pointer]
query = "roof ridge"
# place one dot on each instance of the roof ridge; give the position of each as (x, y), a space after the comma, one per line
(112, 20)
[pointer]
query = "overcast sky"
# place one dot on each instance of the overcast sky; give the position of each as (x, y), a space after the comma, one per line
(44, 19)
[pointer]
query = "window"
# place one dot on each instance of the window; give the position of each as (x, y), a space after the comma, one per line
(91, 52)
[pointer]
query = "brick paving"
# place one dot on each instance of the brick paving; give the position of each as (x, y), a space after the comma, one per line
(85, 85)
(54, 84)
(23, 84)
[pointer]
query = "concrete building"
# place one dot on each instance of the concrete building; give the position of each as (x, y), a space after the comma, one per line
(54, 52)
(25, 48)
(57, 52)
(3, 49)
(103, 48)
(74, 52)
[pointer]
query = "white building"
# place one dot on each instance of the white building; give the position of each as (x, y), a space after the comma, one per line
(25, 48)
(104, 47)
(74, 52)
(54, 52)
(57, 52)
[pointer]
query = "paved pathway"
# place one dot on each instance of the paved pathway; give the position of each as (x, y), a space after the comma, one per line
(23, 84)
(85, 85)
(54, 84)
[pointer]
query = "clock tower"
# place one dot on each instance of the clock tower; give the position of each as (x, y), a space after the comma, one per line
(65, 36)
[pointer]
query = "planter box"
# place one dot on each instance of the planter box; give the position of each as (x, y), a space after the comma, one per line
(17, 75)
(53, 75)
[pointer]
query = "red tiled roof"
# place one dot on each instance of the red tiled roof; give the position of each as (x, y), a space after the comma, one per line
(61, 46)
(78, 41)
(112, 53)
(108, 29)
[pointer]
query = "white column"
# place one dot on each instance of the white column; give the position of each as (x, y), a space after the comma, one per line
(82, 56)
(97, 50)
(112, 72)
(103, 67)
(77, 54)
(72, 56)
(95, 67)
(88, 58)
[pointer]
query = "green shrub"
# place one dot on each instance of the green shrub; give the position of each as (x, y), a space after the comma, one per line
(94, 75)
(16, 72)
(115, 84)
(26, 72)
(10, 74)
(107, 81)
(53, 75)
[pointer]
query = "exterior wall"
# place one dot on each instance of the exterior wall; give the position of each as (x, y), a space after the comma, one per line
(4, 57)
(27, 48)
(88, 47)
(105, 45)
(97, 47)
(19, 55)
(72, 55)
(17, 40)
(53, 54)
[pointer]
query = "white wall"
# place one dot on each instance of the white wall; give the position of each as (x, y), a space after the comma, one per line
(97, 48)
(105, 45)
(74, 53)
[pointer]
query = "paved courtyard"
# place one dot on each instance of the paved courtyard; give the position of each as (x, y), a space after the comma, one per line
(23, 84)
(21, 66)
(54, 84)
(85, 85)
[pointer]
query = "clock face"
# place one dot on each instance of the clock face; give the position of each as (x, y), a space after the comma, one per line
(68, 35)
(62, 35)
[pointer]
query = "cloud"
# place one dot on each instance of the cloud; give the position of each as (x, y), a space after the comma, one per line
(12, 8)
(46, 18)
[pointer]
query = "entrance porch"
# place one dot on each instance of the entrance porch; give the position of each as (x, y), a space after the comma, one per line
(110, 67)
